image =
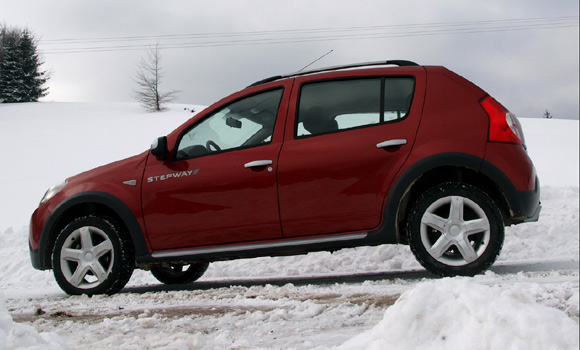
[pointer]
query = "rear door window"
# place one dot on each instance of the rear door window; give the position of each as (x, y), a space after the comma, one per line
(332, 106)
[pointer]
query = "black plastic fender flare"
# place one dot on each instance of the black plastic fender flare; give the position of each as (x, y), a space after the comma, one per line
(388, 232)
(96, 197)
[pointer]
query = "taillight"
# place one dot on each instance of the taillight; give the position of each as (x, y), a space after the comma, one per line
(503, 125)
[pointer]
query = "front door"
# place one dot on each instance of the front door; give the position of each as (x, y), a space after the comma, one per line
(220, 185)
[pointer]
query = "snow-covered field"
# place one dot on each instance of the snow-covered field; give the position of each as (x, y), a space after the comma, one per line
(363, 298)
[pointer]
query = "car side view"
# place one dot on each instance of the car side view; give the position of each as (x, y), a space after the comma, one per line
(355, 155)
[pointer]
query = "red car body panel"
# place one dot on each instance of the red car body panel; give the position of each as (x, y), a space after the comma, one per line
(220, 202)
(513, 161)
(452, 120)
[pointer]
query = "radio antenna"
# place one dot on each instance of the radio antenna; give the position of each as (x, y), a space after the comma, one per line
(316, 60)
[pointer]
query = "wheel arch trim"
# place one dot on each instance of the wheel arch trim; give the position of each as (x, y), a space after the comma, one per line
(389, 229)
(90, 197)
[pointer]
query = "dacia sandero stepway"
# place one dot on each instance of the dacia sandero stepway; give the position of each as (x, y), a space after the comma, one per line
(362, 154)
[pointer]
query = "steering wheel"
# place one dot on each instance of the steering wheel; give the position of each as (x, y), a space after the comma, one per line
(210, 143)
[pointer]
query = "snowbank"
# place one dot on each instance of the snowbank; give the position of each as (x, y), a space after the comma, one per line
(18, 336)
(458, 313)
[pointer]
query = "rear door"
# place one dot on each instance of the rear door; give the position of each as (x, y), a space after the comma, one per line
(345, 141)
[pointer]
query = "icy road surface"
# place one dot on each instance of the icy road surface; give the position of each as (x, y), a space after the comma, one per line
(304, 317)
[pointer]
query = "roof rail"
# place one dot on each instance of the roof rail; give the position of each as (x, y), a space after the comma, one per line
(400, 63)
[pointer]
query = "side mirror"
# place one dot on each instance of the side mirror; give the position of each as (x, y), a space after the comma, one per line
(159, 148)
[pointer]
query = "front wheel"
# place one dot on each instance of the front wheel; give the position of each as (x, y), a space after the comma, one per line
(92, 256)
(455, 229)
(179, 274)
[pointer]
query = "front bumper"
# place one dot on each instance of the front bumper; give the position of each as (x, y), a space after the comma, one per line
(36, 239)
(35, 258)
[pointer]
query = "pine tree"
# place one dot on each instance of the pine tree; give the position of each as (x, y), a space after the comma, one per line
(10, 72)
(33, 79)
(21, 79)
(547, 114)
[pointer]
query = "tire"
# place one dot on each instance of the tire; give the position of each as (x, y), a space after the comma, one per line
(455, 229)
(91, 256)
(179, 274)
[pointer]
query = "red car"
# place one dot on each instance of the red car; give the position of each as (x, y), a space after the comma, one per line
(363, 154)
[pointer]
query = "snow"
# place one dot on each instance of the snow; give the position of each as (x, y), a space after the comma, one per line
(363, 298)
(451, 313)
(17, 336)
(551, 143)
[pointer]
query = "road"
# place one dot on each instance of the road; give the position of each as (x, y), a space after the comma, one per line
(272, 313)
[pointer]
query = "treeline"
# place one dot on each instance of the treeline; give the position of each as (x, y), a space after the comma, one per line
(21, 78)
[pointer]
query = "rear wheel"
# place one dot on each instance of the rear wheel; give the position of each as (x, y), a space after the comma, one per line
(179, 274)
(455, 229)
(91, 256)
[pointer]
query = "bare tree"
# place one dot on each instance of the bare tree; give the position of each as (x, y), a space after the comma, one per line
(148, 79)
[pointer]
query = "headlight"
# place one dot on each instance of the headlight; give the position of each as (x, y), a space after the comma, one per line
(52, 191)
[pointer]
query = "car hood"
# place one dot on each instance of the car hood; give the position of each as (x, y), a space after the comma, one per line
(129, 169)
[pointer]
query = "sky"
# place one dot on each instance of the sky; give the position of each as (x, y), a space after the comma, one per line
(524, 53)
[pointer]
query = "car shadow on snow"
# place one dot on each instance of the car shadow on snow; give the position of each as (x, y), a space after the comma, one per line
(281, 281)
(500, 268)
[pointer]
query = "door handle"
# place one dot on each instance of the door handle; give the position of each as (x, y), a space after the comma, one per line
(390, 143)
(257, 163)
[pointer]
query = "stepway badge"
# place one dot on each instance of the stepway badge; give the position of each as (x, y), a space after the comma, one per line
(172, 175)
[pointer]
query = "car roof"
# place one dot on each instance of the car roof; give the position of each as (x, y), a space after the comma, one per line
(400, 63)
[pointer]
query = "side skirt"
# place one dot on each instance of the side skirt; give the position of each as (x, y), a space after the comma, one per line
(239, 251)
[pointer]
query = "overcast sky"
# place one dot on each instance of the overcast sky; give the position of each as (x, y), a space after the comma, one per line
(524, 53)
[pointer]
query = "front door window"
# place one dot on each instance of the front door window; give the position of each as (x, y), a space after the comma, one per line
(245, 123)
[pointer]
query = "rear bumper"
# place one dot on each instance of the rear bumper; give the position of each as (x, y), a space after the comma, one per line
(536, 215)
(527, 206)
(510, 167)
